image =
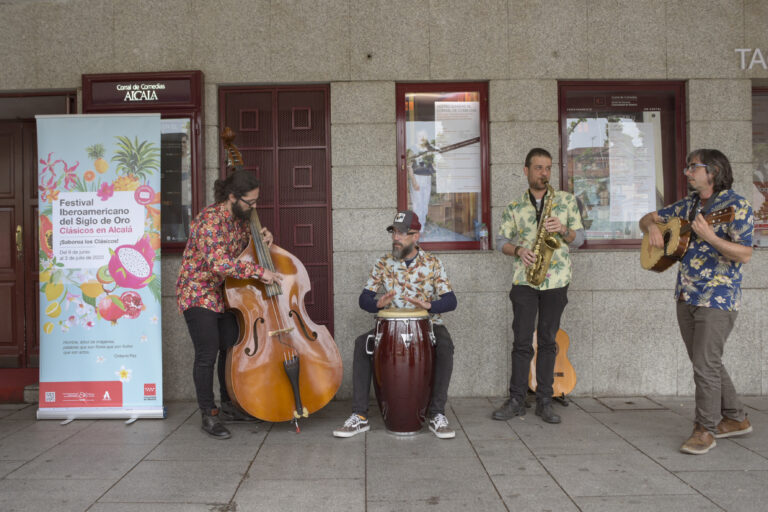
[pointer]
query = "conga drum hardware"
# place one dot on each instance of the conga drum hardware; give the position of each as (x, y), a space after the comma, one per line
(403, 351)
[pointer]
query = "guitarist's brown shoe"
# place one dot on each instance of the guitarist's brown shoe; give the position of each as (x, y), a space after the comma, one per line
(732, 428)
(700, 442)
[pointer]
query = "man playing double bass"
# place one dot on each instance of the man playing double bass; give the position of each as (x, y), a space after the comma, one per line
(523, 221)
(217, 237)
(409, 277)
(708, 291)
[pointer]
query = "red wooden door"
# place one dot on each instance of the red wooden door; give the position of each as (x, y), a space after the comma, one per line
(283, 134)
(18, 246)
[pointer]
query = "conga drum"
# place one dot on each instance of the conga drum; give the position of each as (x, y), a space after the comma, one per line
(403, 350)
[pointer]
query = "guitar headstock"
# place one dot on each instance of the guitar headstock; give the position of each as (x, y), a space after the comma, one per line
(724, 215)
(234, 159)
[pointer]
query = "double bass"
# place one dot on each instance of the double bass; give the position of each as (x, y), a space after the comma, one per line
(283, 366)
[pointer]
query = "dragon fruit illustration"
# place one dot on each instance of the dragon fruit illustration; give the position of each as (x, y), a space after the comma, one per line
(131, 265)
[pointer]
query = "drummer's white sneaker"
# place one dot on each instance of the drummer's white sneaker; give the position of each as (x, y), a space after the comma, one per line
(439, 425)
(353, 426)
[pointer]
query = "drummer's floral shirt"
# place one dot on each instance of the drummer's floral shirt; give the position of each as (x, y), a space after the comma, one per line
(216, 239)
(424, 279)
(518, 223)
(705, 277)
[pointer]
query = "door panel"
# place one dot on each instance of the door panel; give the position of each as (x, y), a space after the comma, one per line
(12, 342)
(290, 154)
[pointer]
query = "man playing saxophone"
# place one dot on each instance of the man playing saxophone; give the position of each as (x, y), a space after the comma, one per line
(536, 230)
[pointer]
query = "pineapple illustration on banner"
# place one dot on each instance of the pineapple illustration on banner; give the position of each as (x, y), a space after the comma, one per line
(99, 222)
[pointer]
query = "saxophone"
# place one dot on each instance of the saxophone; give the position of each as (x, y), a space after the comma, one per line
(546, 244)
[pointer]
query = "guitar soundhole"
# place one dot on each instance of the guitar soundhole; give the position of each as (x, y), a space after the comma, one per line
(667, 234)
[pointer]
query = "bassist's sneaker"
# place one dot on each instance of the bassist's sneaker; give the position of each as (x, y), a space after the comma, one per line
(354, 425)
(732, 428)
(439, 426)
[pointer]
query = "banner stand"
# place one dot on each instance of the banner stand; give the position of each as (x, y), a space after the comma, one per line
(99, 178)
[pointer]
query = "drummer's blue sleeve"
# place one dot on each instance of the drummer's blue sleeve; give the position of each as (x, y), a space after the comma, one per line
(446, 302)
(367, 301)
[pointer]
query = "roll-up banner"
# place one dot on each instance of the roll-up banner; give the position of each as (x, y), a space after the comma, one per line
(99, 221)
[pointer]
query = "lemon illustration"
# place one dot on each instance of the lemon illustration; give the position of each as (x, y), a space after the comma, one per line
(53, 310)
(48, 327)
(92, 288)
(45, 276)
(53, 291)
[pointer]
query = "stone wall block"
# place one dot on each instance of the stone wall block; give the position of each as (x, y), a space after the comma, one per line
(719, 100)
(362, 102)
(388, 44)
(362, 230)
(709, 53)
(372, 186)
(481, 50)
(523, 100)
(151, 36)
(363, 144)
(511, 141)
(546, 39)
(626, 40)
(309, 41)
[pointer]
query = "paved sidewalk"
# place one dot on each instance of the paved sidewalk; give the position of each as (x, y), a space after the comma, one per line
(608, 454)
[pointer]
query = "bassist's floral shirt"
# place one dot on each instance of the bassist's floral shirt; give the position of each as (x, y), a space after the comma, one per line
(518, 224)
(705, 277)
(216, 239)
(424, 279)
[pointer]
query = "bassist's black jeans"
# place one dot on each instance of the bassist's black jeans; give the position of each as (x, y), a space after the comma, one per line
(212, 334)
(526, 303)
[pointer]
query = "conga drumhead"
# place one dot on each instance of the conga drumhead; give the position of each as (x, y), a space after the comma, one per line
(402, 313)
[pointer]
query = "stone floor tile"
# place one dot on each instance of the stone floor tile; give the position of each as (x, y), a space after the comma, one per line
(729, 484)
(589, 404)
(501, 457)
(154, 507)
(258, 494)
(608, 475)
(469, 503)
(628, 403)
(243, 445)
(306, 461)
(83, 462)
(693, 503)
(420, 479)
(534, 493)
(50, 495)
(179, 482)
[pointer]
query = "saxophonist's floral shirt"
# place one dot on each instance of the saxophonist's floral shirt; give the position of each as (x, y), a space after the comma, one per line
(424, 279)
(518, 224)
(216, 239)
(705, 277)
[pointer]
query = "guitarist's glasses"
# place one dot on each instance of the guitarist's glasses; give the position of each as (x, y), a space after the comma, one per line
(691, 168)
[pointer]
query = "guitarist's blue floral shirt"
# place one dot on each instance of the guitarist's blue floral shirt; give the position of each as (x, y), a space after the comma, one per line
(705, 277)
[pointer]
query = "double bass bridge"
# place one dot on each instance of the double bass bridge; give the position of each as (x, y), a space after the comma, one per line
(278, 332)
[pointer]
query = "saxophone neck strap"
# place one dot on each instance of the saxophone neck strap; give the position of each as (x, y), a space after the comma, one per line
(539, 207)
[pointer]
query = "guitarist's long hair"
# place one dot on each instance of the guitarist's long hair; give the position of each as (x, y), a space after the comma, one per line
(718, 167)
(238, 183)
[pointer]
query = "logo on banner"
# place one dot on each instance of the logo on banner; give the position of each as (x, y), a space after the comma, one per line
(150, 391)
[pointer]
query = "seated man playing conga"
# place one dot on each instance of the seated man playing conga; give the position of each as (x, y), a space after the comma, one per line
(409, 278)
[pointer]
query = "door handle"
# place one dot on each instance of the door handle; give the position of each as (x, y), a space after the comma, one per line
(19, 242)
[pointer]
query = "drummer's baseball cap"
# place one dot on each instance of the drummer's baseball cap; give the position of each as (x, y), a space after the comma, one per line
(405, 221)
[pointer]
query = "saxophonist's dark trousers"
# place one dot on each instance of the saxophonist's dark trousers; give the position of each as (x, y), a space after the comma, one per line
(526, 303)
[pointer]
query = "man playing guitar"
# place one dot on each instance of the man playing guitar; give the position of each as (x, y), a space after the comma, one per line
(708, 291)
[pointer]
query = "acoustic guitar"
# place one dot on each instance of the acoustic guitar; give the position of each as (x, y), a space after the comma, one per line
(676, 234)
(565, 375)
